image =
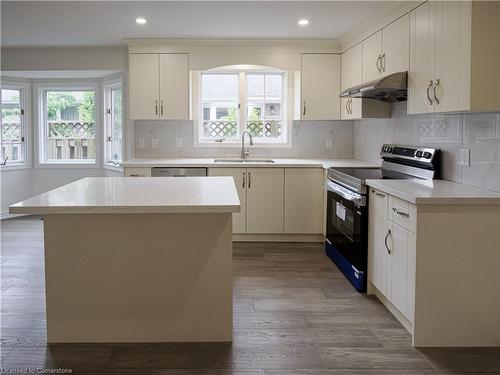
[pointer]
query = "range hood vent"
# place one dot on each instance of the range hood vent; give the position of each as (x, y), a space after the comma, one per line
(391, 88)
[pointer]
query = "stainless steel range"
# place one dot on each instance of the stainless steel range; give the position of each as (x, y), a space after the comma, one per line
(347, 209)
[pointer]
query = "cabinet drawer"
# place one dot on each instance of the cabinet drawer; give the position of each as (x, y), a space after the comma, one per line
(402, 213)
(137, 172)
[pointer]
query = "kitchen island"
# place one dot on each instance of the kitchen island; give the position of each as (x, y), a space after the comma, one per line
(138, 260)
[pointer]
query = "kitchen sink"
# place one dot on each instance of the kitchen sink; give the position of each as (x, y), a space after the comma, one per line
(243, 161)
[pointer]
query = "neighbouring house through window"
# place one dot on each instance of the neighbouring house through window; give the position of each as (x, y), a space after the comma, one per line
(13, 129)
(232, 102)
(68, 126)
(113, 123)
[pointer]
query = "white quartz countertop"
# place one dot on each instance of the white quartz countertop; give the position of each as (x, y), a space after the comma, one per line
(101, 195)
(289, 163)
(435, 192)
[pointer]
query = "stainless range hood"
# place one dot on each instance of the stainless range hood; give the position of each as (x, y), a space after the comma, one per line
(391, 88)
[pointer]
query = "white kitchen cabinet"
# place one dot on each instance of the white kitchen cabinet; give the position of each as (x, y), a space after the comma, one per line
(448, 68)
(352, 75)
(320, 86)
(144, 86)
(377, 229)
(158, 86)
(372, 54)
(304, 194)
(265, 193)
(386, 51)
(137, 172)
(239, 176)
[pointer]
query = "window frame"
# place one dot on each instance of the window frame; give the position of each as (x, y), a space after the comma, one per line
(25, 103)
(107, 87)
(286, 101)
(41, 90)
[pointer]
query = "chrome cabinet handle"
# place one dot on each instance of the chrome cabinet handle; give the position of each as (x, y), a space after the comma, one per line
(396, 211)
(156, 107)
(244, 180)
(378, 194)
(304, 109)
(436, 84)
(382, 62)
(161, 107)
(350, 106)
(249, 181)
(346, 108)
(428, 88)
(378, 60)
(385, 241)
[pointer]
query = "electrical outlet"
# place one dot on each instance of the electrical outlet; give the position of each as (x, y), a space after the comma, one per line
(154, 142)
(329, 143)
(465, 157)
(141, 142)
(178, 142)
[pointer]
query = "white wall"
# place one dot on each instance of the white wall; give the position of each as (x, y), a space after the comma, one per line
(479, 132)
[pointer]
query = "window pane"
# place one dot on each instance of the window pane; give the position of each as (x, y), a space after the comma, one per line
(11, 131)
(117, 124)
(70, 125)
(264, 105)
(220, 106)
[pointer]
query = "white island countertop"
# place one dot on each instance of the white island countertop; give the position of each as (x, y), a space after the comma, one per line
(277, 163)
(108, 195)
(435, 192)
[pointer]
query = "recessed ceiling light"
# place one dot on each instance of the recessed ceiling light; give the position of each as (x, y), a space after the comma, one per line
(140, 21)
(304, 22)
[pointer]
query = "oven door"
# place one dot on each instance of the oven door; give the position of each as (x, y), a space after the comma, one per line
(346, 232)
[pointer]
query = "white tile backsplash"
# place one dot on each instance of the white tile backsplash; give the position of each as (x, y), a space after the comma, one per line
(479, 132)
(308, 141)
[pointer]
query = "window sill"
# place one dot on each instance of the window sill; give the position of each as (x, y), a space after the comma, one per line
(73, 164)
(14, 167)
(237, 144)
(112, 167)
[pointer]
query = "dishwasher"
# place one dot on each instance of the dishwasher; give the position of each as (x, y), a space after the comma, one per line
(178, 172)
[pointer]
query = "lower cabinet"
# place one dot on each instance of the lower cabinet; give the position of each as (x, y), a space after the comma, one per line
(137, 172)
(239, 176)
(265, 189)
(277, 200)
(391, 254)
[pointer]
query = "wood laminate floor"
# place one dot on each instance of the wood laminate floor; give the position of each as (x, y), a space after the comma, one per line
(294, 313)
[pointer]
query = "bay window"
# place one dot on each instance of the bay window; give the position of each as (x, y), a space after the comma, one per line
(14, 125)
(232, 102)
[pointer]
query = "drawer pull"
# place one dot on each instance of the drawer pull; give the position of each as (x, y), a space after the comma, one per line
(385, 241)
(404, 214)
(378, 194)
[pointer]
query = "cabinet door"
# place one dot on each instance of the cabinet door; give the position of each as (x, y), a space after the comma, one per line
(239, 176)
(451, 56)
(265, 188)
(396, 46)
(144, 86)
(422, 52)
(377, 230)
(137, 172)
(398, 243)
(320, 87)
(372, 50)
(345, 113)
(352, 66)
(174, 86)
(304, 200)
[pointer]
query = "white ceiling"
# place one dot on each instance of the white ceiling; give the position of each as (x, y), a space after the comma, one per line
(65, 23)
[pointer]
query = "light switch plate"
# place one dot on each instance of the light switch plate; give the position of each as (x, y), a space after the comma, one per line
(465, 157)
(154, 142)
(140, 142)
(178, 142)
(329, 143)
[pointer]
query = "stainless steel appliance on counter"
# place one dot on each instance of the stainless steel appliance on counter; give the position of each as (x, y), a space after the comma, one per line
(347, 209)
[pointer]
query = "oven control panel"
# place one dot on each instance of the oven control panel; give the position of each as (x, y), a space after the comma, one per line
(422, 154)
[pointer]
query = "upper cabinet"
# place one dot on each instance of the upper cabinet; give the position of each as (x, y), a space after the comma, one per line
(320, 86)
(386, 51)
(158, 86)
(454, 57)
(352, 75)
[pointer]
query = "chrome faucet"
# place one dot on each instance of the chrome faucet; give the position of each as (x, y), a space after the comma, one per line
(245, 153)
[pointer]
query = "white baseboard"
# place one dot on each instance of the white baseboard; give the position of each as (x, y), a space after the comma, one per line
(265, 237)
